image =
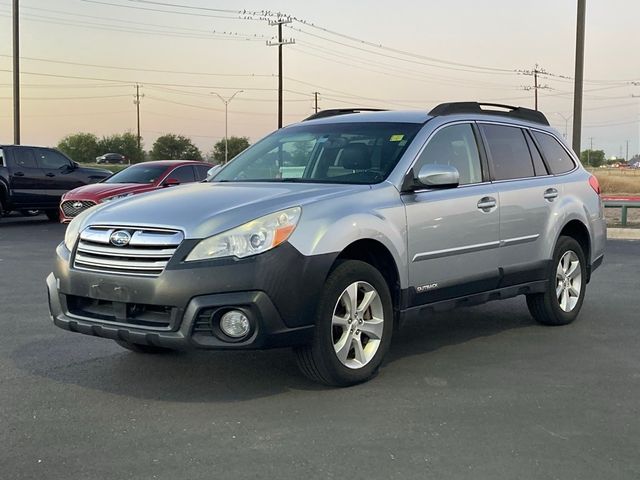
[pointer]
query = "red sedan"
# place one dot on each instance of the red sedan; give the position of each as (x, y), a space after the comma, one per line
(139, 178)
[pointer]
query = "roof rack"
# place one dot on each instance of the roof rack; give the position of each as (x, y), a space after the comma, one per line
(520, 113)
(340, 111)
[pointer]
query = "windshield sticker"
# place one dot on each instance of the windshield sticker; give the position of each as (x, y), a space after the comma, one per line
(396, 138)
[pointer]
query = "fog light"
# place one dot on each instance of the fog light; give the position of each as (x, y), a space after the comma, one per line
(235, 324)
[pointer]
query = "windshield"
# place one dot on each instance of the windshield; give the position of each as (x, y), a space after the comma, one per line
(356, 153)
(140, 173)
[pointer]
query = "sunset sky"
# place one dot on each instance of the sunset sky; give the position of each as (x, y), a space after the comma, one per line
(81, 59)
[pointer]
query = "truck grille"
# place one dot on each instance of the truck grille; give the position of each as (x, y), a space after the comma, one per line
(146, 253)
(71, 208)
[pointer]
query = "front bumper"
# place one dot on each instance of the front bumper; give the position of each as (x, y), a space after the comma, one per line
(277, 291)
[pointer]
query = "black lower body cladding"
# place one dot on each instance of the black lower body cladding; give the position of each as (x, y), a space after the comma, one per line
(278, 289)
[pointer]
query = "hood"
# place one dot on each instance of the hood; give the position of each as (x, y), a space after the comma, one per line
(99, 191)
(204, 209)
(95, 171)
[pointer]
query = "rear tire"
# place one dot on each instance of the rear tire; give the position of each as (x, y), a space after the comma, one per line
(53, 215)
(561, 302)
(353, 327)
(139, 348)
(30, 213)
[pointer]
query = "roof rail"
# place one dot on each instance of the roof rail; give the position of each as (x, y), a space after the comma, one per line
(520, 113)
(340, 111)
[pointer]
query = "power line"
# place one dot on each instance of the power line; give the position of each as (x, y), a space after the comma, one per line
(536, 86)
(138, 69)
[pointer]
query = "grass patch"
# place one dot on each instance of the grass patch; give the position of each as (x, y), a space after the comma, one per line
(618, 181)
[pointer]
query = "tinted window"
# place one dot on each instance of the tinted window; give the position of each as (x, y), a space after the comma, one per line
(140, 173)
(355, 153)
(24, 158)
(201, 171)
(538, 163)
(456, 146)
(183, 174)
(2, 164)
(51, 160)
(556, 156)
(508, 152)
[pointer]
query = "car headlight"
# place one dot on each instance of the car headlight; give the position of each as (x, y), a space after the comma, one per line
(116, 197)
(254, 237)
(72, 232)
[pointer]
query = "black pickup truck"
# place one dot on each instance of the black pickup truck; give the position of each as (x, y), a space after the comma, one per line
(36, 177)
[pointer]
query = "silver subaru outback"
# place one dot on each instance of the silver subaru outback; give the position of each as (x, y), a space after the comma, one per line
(326, 233)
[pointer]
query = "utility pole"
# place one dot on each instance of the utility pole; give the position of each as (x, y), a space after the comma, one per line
(16, 73)
(315, 95)
(578, 77)
(589, 151)
(226, 122)
(626, 157)
(279, 43)
(137, 102)
(536, 86)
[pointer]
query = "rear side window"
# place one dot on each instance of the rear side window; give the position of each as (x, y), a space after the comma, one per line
(183, 174)
(557, 158)
(508, 152)
(456, 146)
(2, 164)
(24, 158)
(538, 164)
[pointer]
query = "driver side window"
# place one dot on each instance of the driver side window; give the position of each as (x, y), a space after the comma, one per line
(51, 160)
(456, 146)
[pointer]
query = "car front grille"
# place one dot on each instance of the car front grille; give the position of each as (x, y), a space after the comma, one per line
(71, 208)
(146, 254)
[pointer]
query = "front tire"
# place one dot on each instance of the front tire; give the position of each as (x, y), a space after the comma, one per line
(139, 348)
(353, 327)
(560, 304)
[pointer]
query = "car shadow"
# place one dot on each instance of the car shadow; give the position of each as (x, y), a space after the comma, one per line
(231, 376)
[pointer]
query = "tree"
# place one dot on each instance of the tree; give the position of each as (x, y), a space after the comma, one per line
(236, 145)
(592, 158)
(81, 147)
(175, 147)
(125, 144)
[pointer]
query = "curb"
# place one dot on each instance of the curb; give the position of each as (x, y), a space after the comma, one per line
(623, 233)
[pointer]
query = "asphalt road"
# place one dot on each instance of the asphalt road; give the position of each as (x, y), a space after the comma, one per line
(479, 393)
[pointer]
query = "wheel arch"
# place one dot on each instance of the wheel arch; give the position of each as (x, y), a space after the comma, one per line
(376, 254)
(577, 230)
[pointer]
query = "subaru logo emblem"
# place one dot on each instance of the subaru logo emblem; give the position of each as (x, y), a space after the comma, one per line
(76, 205)
(120, 238)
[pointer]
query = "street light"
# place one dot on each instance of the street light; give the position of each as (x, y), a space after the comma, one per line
(566, 123)
(226, 121)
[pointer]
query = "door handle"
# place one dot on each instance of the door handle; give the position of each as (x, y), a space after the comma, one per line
(18, 174)
(486, 204)
(49, 174)
(550, 194)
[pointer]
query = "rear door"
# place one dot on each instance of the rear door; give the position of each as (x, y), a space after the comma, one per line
(26, 180)
(526, 193)
(453, 233)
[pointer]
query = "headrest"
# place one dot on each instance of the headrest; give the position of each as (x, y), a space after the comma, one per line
(355, 156)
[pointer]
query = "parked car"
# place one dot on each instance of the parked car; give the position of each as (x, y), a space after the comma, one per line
(138, 178)
(34, 178)
(112, 158)
(388, 216)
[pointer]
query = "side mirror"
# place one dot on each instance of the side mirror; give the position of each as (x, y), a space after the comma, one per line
(170, 182)
(438, 176)
(75, 165)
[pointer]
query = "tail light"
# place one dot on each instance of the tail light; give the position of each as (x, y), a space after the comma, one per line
(593, 181)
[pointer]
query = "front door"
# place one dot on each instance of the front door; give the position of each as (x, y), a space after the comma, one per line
(453, 234)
